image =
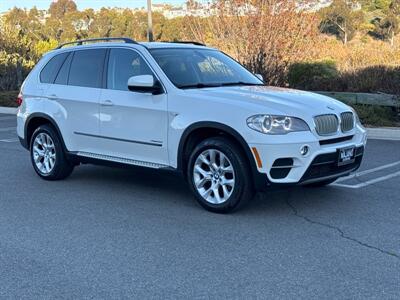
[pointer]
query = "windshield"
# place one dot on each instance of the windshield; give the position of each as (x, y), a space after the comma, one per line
(199, 68)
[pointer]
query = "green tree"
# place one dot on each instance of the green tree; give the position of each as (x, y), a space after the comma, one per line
(174, 29)
(16, 56)
(58, 9)
(26, 22)
(375, 5)
(42, 47)
(193, 4)
(62, 21)
(341, 19)
(388, 26)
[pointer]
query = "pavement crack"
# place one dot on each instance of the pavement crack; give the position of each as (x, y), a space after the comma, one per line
(340, 231)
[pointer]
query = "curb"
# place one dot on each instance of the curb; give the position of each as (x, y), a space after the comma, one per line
(8, 110)
(388, 133)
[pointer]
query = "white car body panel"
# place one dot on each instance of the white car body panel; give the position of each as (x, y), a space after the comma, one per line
(77, 111)
(136, 125)
(149, 128)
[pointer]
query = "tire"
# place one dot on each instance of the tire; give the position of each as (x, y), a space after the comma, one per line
(321, 183)
(46, 144)
(230, 169)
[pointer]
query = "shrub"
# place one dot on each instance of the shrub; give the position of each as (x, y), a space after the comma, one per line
(13, 70)
(312, 75)
(373, 79)
(265, 36)
(8, 98)
(377, 115)
(41, 47)
(323, 76)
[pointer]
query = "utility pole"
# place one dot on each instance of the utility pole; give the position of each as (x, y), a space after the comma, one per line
(149, 21)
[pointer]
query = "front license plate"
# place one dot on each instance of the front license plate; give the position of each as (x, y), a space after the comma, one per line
(346, 156)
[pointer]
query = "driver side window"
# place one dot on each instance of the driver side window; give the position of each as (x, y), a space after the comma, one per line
(123, 64)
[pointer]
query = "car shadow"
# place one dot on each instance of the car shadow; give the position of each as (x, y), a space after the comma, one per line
(170, 187)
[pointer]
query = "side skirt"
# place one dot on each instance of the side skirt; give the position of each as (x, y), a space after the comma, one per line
(119, 160)
(77, 160)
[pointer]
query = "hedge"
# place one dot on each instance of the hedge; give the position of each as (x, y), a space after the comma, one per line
(324, 76)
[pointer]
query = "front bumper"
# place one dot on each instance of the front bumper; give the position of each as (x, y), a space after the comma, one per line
(23, 142)
(280, 160)
(325, 166)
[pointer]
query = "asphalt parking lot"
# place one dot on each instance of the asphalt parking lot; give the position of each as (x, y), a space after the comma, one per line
(137, 233)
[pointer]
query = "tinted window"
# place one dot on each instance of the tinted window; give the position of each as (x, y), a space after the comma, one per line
(87, 68)
(188, 68)
(50, 71)
(123, 64)
(62, 76)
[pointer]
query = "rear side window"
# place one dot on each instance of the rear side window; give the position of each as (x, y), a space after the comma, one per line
(87, 68)
(49, 72)
(62, 76)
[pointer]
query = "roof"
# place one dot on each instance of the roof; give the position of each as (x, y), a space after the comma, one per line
(161, 45)
(98, 43)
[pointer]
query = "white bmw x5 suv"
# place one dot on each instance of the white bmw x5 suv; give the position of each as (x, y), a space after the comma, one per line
(185, 107)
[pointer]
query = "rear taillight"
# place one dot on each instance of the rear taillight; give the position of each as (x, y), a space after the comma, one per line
(19, 99)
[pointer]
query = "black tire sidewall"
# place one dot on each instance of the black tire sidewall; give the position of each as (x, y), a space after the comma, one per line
(240, 167)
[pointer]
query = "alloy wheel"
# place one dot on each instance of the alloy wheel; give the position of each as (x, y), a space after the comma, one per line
(44, 153)
(214, 176)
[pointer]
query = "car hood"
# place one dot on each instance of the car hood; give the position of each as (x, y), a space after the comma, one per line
(274, 100)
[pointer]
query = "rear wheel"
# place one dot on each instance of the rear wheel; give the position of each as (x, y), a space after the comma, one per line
(47, 154)
(219, 175)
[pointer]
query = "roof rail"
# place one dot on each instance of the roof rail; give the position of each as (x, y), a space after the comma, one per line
(188, 42)
(80, 42)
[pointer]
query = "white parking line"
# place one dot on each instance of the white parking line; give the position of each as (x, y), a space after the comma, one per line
(9, 140)
(8, 129)
(368, 171)
(369, 182)
(7, 118)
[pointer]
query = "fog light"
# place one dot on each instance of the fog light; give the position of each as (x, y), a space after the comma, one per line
(304, 150)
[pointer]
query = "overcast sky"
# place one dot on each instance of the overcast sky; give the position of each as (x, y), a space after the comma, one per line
(82, 4)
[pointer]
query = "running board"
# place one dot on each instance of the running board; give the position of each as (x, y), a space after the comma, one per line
(122, 160)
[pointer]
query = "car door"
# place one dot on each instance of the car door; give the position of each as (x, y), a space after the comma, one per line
(77, 90)
(133, 125)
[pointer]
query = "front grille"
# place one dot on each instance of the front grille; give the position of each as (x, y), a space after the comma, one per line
(347, 123)
(326, 124)
(336, 140)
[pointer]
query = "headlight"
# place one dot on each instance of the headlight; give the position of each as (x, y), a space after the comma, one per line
(356, 117)
(276, 124)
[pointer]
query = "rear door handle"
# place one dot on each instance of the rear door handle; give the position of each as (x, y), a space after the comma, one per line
(107, 103)
(52, 97)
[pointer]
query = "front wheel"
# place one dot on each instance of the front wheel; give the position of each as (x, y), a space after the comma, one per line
(219, 175)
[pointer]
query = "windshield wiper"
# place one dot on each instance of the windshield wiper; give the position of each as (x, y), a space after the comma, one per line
(240, 83)
(198, 86)
(208, 85)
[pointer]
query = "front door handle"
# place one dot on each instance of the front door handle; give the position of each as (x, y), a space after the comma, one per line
(107, 103)
(52, 97)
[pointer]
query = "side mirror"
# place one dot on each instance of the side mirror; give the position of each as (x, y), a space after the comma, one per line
(144, 84)
(259, 76)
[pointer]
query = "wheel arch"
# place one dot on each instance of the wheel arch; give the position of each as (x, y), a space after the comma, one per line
(34, 121)
(201, 130)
